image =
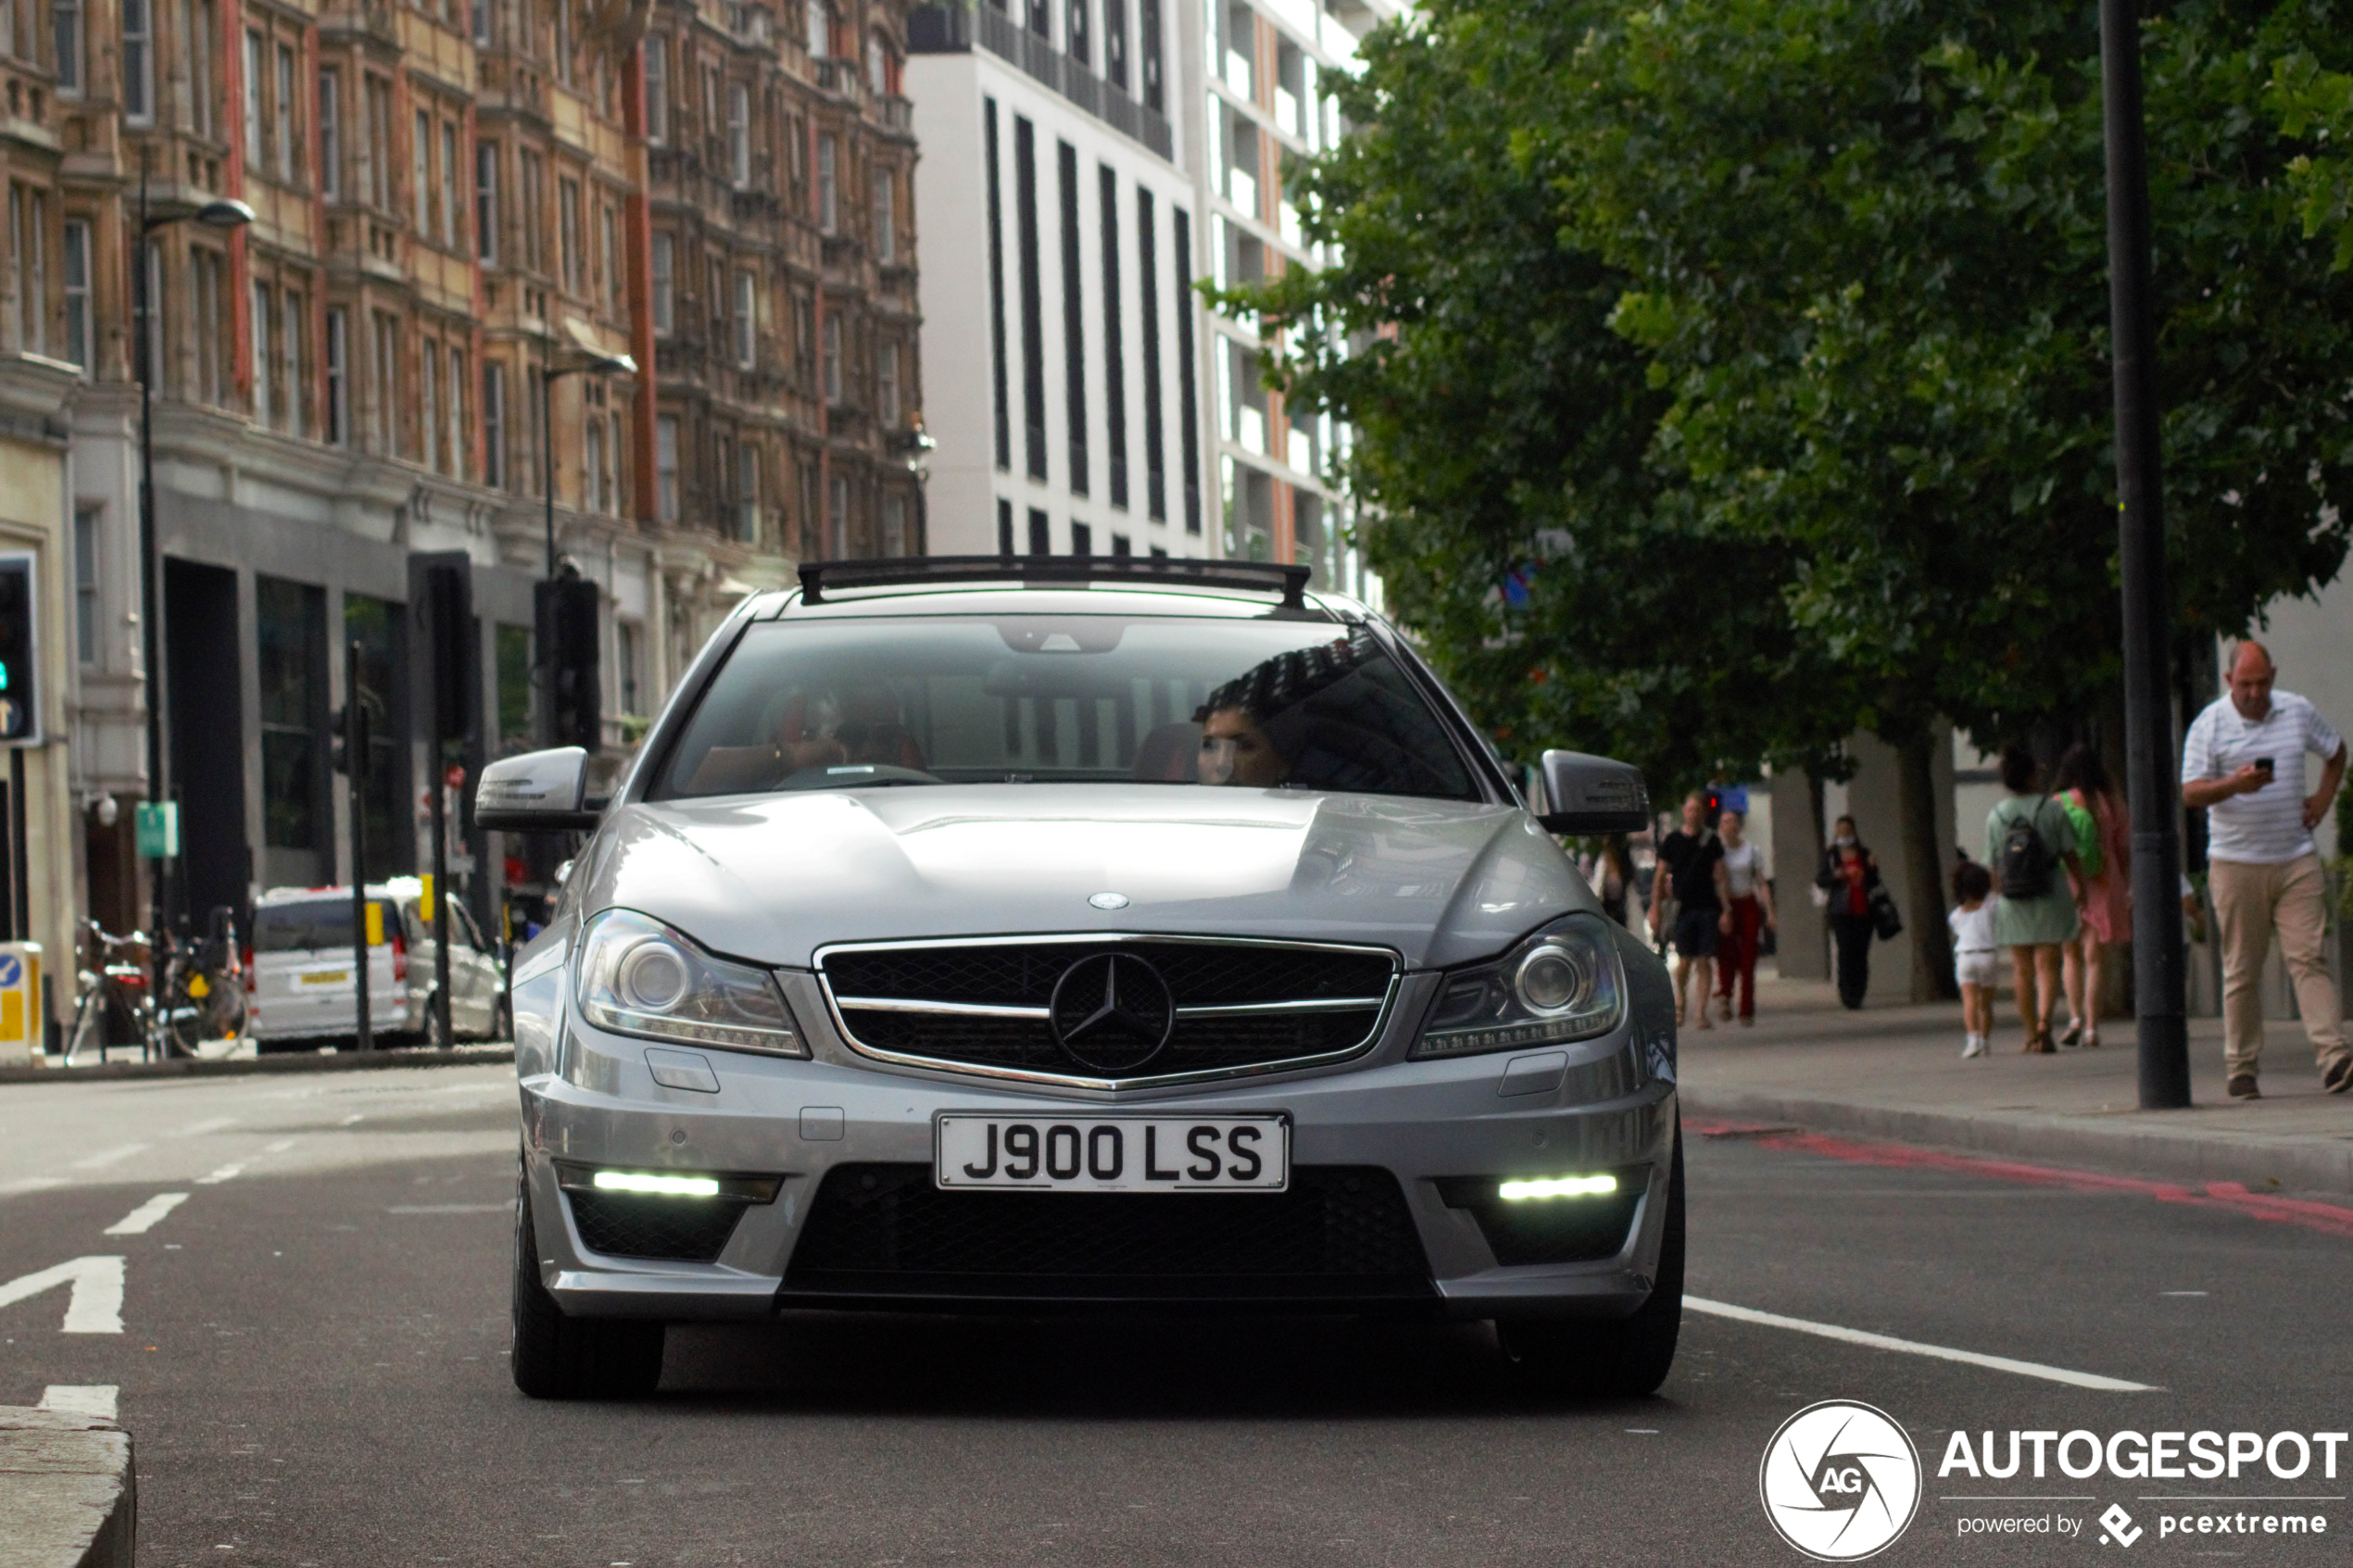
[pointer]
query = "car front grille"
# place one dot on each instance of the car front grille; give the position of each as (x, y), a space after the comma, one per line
(1337, 1233)
(989, 1007)
(641, 1226)
(1562, 1230)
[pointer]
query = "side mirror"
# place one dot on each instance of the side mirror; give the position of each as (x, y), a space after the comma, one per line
(1592, 794)
(538, 792)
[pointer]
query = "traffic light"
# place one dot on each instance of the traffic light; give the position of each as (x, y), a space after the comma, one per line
(20, 651)
(354, 733)
(443, 583)
(568, 630)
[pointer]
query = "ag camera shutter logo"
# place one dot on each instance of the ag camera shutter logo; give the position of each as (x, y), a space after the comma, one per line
(1840, 1481)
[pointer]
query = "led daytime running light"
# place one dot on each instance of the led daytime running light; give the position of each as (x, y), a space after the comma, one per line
(671, 1186)
(1550, 1186)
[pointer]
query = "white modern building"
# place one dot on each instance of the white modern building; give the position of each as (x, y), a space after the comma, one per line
(1064, 372)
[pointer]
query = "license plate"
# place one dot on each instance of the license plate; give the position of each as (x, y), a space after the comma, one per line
(1112, 1153)
(328, 977)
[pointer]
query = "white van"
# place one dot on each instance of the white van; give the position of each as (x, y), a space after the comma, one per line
(301, 980)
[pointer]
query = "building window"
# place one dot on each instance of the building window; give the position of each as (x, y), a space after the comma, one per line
(1188, 391)
(611, 251)
(592, 464)
(1033, 306)
(885, 217)
(493, 425)
(887, 383)
(294, 311)
(151, 372)
(998, 370)
(338, 377)
(29, 267)
(828, 192)
(77, 321)
(456, 413)
(837, 517)
(1005, 527)
(739, 133)
(1042, 533)
(1115, 43)
(817, 22)
(747, 320)
(833, 358)
(487, 201)
(656, 91)
(290, 637)
(64, 32)
(377, 152)
(1114, 339)
(449, 231)
(1073, 317)
(429, 404)
(289, 140)
(894, 524)
(85, 584)
(1082, 539)
(421, 153)
(514, 689)
(747, 493)
(481, 24)
(534, 213)
(666, 468)
(664, 283)
(138, 62)
(568, 230)
(331, 134)
(253, 100)
(211, 319)
(1148, 32)
(1148, 322)
(387, 357)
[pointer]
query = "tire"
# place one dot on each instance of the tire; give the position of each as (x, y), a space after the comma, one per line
(565, 1358)
(1620, 1358)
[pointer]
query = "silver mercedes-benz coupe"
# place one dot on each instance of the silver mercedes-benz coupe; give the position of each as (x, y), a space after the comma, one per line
(1047, 933)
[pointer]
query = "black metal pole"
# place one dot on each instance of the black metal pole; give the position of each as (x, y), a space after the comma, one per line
(150, 607)
(2159, 994)
(437, 907)
(355, 757)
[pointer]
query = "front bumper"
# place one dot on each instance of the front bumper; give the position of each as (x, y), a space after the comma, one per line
(589, 1100)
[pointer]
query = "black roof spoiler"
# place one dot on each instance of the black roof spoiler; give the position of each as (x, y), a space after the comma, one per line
(818, 578)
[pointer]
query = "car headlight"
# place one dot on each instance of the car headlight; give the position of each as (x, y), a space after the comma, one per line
(1565, 983)
(639, 977)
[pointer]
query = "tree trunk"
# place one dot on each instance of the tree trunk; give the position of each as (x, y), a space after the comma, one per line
(1924, 857)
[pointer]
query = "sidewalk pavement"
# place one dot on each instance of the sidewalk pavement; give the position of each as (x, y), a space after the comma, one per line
(1894, 1070)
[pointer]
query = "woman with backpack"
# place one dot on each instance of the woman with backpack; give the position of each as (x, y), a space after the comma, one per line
(2029, 840)
(2104, 845)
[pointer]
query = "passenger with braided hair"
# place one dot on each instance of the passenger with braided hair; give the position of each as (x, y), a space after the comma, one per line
(1326, 717)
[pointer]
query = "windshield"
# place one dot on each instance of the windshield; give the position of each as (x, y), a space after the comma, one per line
(311, 926)
(935, 699)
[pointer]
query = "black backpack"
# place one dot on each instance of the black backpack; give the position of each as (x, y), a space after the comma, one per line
(2026, 860)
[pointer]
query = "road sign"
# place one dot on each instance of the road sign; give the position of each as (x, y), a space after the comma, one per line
(159, 830)
(20, 1001)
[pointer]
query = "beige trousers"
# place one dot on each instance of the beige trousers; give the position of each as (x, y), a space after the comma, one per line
(2248, 901)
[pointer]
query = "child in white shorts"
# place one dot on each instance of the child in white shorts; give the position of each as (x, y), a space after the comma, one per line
(1976, 961)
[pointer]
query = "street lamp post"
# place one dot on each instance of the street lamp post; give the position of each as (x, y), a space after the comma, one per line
(216, 215)
(598, 365)
(2159, 992)
(920, 447)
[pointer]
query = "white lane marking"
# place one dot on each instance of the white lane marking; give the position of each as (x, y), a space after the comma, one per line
(80, 1398)
(279, 1148)
(30, 1184)
(108, 1156)
(355, 1117)
(224, 1174)
(141, 1220)
(451, 1208)
(196, 1129)
(1914, 1348)
(96, 1305)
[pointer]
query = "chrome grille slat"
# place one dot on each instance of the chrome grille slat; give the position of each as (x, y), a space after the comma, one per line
(981, 1005)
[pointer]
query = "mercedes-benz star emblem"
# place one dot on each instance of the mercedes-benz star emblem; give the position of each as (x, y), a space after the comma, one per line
(1112, 1012)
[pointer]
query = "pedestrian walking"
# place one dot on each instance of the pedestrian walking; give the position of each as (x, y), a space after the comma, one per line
(2104, 844)
(1691, 862)
(1850, 875)
(1977, 958)
(1748, 913)
(2243, 764)
(2029, 840)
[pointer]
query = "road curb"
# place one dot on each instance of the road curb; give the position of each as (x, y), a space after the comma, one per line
(2295, 1163)
(69, 1497)
(342, 1061)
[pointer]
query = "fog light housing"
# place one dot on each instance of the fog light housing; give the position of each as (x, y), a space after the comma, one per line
(639, 1181)
(1523, 1189)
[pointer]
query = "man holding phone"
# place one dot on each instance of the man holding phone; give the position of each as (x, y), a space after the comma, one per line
(2243, 765)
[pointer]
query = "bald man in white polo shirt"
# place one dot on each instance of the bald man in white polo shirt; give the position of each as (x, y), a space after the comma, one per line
(2243, 764)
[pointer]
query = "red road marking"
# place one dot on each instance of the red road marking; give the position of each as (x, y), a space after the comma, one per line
(2330, 1219)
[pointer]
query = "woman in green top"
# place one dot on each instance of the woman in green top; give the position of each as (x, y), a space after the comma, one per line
(2033, 928)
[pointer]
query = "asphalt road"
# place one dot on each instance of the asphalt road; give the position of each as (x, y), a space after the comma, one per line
(311, 1359)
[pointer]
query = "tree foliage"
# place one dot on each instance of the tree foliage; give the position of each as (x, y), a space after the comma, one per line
(1773, 335)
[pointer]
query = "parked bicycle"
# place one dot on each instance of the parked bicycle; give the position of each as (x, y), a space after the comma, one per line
(202, 982)
(114, 1008)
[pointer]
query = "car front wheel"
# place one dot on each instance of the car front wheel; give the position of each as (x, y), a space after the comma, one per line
(557, 1357)
(1625, 1357)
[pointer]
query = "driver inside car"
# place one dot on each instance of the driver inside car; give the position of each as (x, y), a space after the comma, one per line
(859, 726)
